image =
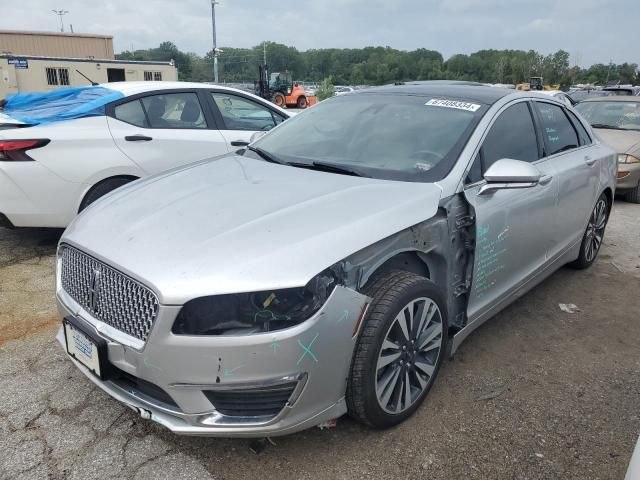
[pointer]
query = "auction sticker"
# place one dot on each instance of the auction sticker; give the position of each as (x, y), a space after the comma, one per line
(469, 107)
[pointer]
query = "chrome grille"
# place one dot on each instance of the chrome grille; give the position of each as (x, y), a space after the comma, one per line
(109, 295)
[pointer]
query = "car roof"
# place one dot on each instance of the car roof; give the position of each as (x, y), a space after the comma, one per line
(613, 98)
(133, 88)
(478, 94)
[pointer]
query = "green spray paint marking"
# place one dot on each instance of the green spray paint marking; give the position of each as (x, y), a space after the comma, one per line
(228, 373)
(147, 363)
(307, 350)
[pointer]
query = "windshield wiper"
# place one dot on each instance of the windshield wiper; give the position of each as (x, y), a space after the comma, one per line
(269, 157)
(604, 125)
(331, 167)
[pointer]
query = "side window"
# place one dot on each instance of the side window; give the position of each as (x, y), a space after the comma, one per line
(242, 114)
(559, 134)
(132, 112)
(512, 135)
(583, 135)
(174, 110)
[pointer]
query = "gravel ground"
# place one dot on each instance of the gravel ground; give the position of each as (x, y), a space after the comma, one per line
(536, 393)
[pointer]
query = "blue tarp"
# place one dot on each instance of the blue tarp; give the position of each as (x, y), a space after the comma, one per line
(60, 104)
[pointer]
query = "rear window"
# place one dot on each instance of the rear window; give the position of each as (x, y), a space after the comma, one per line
(558, 133)
(132, 112)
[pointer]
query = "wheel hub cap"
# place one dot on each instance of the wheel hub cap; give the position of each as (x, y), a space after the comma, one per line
(409, 355)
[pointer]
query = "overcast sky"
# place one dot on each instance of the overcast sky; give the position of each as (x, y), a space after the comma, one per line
(592, 31)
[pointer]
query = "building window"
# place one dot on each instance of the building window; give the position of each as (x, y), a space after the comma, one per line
(153, 76)
(52, 76)
(63, 76)
(57, 76)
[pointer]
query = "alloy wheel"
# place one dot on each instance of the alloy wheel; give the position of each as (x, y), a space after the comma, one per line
(409, 355)
(595, 230)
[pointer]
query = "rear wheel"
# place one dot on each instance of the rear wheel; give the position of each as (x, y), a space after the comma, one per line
(399, 352)
(101, 189)
(633, 196)
(278, 99)
(594, 234)
(302, 102)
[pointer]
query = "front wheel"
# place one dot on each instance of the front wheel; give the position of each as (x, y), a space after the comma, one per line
(399, 352)
(594, 234)
(302, 102)
(279, 99)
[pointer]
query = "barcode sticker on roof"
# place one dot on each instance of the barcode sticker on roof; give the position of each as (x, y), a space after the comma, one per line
(469, 107)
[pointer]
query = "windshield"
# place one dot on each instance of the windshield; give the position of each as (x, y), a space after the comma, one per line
(399, 137)
(616, 115)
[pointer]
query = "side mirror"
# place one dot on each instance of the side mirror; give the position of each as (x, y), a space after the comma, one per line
(256, 135)
(508, 173)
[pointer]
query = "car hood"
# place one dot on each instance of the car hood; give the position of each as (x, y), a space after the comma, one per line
(620, 140)
(237, 224)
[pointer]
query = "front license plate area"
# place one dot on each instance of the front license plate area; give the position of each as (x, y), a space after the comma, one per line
(87, 348)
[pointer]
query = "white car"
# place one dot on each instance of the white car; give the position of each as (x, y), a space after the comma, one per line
(559, 95)
(341, 90)
(52, 171)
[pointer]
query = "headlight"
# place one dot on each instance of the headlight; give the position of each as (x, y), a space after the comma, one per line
(624, 158)
(256, 312)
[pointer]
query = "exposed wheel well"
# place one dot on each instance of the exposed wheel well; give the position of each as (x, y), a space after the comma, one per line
(406, 261)
(96, 186)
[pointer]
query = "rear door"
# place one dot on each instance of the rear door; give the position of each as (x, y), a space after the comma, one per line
(513, 227)
(165, 129)
(239, 116)
(567, 150)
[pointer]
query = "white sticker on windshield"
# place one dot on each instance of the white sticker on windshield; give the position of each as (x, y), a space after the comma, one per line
(469, 107)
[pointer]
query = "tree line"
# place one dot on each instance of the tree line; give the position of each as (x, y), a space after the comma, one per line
(381, 65)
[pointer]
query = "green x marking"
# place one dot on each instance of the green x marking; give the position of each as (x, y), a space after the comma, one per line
(307, 350)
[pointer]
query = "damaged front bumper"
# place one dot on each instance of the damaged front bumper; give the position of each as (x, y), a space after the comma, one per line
(258, 385)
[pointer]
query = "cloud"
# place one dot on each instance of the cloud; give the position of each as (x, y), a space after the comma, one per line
(449, 26)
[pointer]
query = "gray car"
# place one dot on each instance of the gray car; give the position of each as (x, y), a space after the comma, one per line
(616, 122)
(265, 292)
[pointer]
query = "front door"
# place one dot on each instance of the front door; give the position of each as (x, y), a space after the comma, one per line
(240, 117)
(160, 131)
(513, 229)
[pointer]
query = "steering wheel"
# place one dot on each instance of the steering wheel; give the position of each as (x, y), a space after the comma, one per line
(425, 154)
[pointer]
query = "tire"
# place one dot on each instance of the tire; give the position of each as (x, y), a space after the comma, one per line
(302, 102)
(594, 234)
(394, 292)
(101, 189)
(279, 99)
(633, 196)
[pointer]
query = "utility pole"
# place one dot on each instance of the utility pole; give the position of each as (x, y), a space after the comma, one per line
(60, 13)
(215, 46)
(264, 52)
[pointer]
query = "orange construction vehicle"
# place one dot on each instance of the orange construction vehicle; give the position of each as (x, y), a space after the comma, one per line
(280, 88)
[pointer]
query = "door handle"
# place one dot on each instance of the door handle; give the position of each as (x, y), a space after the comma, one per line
(588, 160)
(239, 143)
(545, 179)
(137, 138)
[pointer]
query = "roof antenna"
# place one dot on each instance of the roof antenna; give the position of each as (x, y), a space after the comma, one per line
(93, 84)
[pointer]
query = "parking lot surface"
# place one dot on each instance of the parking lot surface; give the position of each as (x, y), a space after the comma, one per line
(536, 393)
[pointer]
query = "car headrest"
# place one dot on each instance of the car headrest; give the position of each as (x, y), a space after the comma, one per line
(190, 112)
(156, 107)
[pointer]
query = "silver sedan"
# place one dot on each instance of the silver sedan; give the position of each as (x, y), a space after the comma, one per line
(332, 265)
